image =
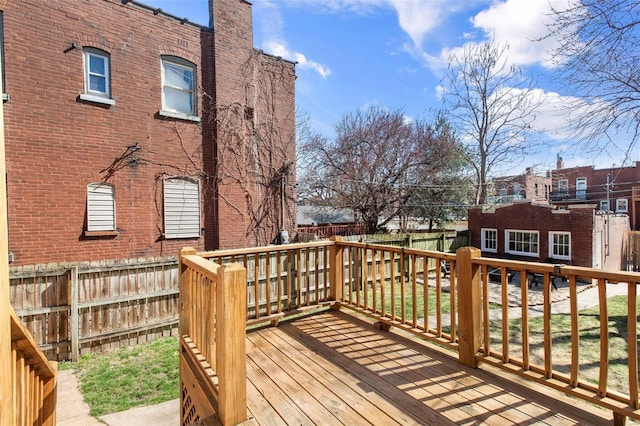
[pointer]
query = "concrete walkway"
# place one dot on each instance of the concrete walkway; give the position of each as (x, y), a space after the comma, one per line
(72, 410)
(586, 299)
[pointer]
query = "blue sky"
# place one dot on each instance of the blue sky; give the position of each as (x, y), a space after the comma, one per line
(393, 53)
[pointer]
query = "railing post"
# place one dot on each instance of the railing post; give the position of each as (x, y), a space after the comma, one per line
(469, 305)
(183, 279)
(6, 391)
(231, 322)
(336, 269)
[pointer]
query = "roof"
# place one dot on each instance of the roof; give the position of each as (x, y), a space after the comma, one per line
(322, 215)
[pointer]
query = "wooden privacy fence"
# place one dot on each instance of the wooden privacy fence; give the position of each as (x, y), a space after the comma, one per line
(30, 379)
(213, 307)
(447, 241)
(83, 308)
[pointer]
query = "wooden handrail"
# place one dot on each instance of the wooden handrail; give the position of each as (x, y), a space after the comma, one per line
(213, 305)
(33, 378)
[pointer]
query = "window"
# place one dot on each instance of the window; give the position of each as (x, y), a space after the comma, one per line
(503, 192)
(581, 188)
(97, 83)
(604, 205)
(521, 242)
(489, 239)
(181, 208)
(563, 186)
(178, 87)
(560, 245)
(622, 205)
(101, 207)
(516, 189)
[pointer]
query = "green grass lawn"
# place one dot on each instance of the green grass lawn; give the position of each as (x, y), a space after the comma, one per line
(589, 348)
(408, 300)
(131, 377)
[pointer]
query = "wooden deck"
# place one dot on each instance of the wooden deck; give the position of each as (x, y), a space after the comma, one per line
(335, 368)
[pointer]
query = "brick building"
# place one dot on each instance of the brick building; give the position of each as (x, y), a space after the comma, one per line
(131, 133)
(578, 235)
(526, 186)
(610, 189)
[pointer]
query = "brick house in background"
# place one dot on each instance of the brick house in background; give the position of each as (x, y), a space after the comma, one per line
(526, 186)
(578, 235)
(131, 133)
(610, 189)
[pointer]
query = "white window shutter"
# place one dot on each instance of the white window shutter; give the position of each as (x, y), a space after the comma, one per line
(181, 208)
(101, 207)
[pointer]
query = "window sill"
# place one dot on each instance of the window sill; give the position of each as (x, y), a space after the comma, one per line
(101, 233)
(179, 116)
(97, 99)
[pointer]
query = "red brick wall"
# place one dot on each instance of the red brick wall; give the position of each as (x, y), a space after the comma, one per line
(527, 182)
(578, 220)
(622, 178)
(252, 92)
(57, 144)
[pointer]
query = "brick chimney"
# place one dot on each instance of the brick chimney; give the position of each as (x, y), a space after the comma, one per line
(559, 162)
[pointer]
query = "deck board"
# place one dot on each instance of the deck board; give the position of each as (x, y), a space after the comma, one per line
(335, 368)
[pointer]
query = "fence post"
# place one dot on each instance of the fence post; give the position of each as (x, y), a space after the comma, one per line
(231, 322)
(183, 280)
(469, 305)
(336, 269)
(75, 314)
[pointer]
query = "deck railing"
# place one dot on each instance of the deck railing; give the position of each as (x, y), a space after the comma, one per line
(281, 280)
(212, 329)
(32, 379)
(461, 301)
(466, 311)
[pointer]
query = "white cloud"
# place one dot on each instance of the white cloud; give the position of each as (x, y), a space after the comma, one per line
(521, 24)
(441, 91)
(277, 49)
(418, 17)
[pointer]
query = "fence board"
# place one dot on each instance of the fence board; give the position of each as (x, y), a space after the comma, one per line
(101, 308)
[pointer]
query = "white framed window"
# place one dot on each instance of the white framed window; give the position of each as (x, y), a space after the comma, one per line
(96, 73)
(181, 207)
(581, 188)
(523, 243)
(604, 205)
(563, 186)
(560, 245)
(516, 189)
(622, 205)
(489, 239)
(178, 86)
(101, 207)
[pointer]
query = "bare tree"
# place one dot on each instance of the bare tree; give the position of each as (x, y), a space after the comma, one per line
(598, 57)
(440, 195)
(492, 105)
(376, 157)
